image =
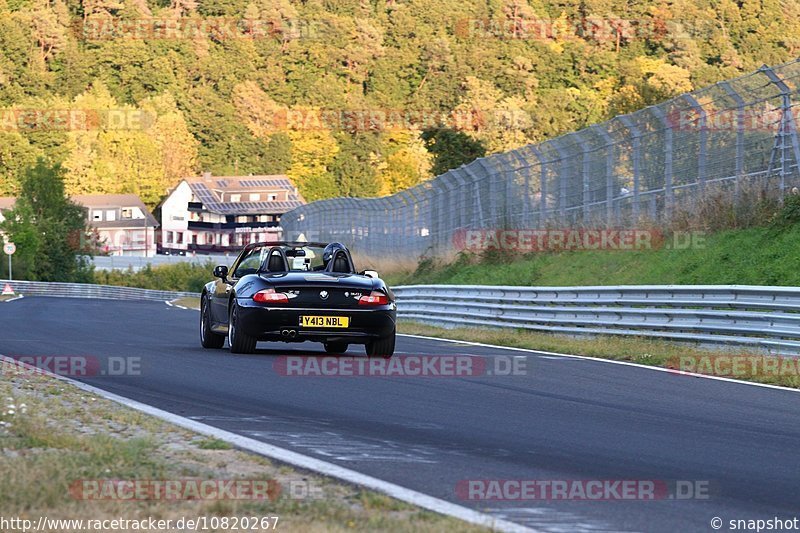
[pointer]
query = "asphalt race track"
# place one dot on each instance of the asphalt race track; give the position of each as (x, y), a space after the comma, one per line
(564, 419)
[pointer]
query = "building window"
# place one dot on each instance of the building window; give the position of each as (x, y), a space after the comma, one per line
(255, 197)
(241, 219)
(127, 212)
(179, 237)
(273, 197)
(236, 198)
(111, 215)
(169, 237)
(97, 216)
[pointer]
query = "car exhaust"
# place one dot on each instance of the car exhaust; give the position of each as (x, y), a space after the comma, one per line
(292, 333)
(288, 333)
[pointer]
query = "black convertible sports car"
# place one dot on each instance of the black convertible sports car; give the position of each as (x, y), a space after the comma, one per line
(295, 292)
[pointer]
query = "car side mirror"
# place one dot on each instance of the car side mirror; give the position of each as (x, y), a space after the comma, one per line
(221, 272)
(371, 274)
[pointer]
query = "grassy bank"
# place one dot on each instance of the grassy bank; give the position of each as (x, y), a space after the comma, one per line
(754, 256)
(53, 435)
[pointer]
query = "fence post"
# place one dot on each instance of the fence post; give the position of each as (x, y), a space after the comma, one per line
(525, 168)
(495, 197)
(563, 157)
(585, 149)
(610, 194)
(739, 135)
(669, 198)
(787, 128)
(703, 153)
(476, 195)
(542, 187)
(637, 145)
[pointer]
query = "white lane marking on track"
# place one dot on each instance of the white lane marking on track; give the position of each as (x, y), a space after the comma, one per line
(304, 461)
(178, 306)
(14, 299)
(339, 447)
(557, 355)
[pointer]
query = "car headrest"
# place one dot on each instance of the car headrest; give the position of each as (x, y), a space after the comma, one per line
(341, 264)
(277, 263)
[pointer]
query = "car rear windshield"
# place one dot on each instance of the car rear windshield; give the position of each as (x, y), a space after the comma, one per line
(300, 258)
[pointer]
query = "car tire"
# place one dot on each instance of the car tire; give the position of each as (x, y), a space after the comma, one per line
(382, 347)
(335, 347)
(238, 341)
(208, 339)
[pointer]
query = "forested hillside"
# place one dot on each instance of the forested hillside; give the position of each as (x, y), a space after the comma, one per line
(279, 86)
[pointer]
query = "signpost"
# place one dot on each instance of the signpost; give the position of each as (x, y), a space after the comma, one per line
(9, 248)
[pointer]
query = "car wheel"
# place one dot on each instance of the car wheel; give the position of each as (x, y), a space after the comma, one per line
(238, 340)
(208, 339)
(335, 347)
(383, 347)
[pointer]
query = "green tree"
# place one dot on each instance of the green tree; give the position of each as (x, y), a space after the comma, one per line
(47, 227)
(451, 149)
(354, 166)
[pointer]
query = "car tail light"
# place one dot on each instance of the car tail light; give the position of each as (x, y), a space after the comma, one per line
(269, 296)
(374, 298)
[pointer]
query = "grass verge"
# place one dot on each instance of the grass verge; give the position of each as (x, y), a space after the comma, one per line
(639, 350)
(53, 435)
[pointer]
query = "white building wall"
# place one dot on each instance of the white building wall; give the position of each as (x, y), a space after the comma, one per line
(175, 217)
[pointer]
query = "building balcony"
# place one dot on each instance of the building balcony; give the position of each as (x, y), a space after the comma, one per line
(237, 227)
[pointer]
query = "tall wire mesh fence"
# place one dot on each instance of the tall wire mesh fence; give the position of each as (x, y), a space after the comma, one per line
(737, 138)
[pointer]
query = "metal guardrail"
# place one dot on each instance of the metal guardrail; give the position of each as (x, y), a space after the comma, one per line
(765, 317)
(86, 290)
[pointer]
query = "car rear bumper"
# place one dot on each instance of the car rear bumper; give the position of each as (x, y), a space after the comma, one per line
(268, 323)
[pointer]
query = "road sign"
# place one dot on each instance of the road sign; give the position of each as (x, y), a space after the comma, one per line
(7, 290)
(9, 248)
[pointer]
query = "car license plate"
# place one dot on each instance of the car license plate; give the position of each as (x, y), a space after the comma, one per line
(324, 321)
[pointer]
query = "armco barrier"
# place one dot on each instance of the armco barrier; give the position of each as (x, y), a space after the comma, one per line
(85, 290)
(766, 317)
